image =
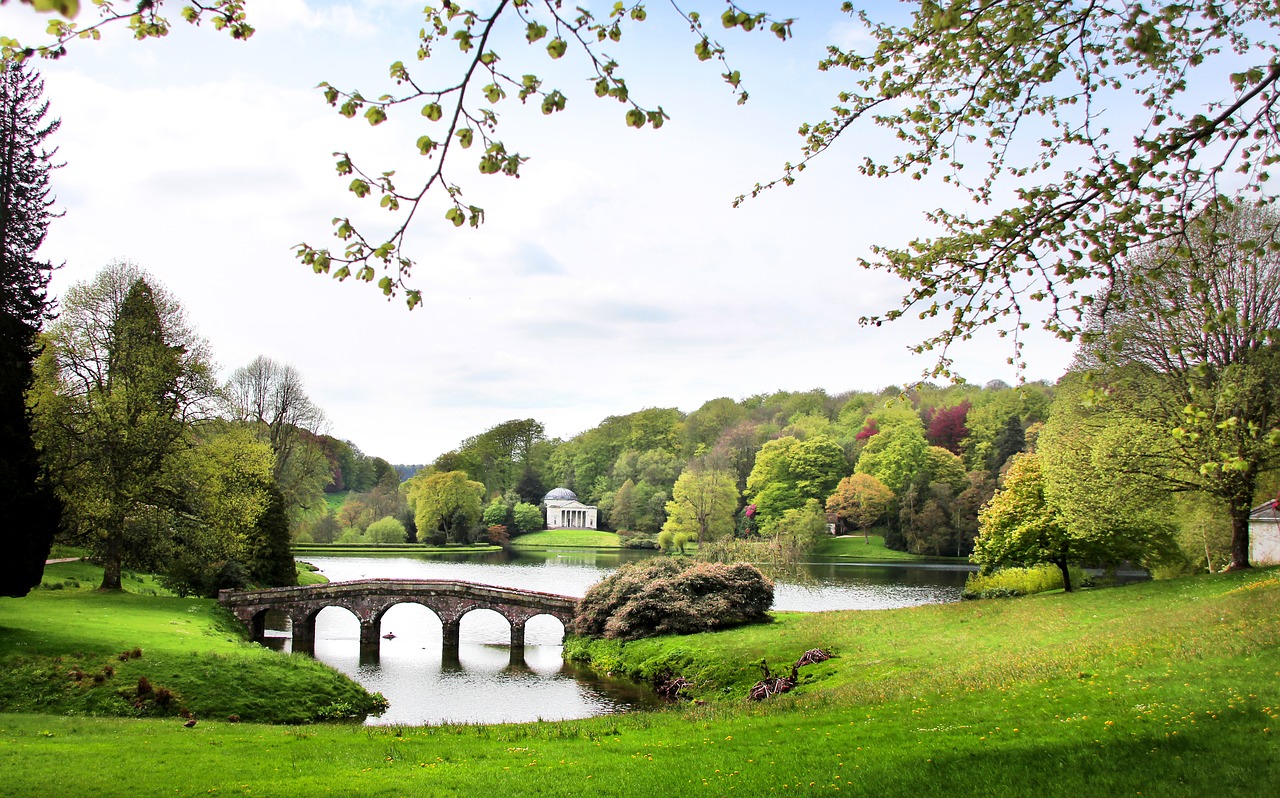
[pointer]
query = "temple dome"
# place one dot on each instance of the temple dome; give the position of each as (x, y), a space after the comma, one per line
(560, 495)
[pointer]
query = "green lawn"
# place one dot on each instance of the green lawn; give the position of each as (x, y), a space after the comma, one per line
(1161, 688)
(576, 538)
(336, 500)
(853, 547)
(61, 652)
(308, 574)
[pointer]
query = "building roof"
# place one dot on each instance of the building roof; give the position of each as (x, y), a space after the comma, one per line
(560, 495)
(1268, 511)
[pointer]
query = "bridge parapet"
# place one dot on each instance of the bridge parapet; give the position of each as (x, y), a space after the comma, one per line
(369, 599)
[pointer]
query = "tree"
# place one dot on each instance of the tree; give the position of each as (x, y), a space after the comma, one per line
(1010, 440)
(226, 481)
(270, 398)
(788, 472)
(1019, 527)
(896, 453)
(386, 530)
(527, 517)
(799, 527)
(622, 515)
(702, 504)
(122, 379)
(861, 500)
(1191, 342)
(946, 426)
(924, 518)
(964, 510)
(446, 503)
(25, 212)
(1094, 476)
(271, 561)
(495, 512)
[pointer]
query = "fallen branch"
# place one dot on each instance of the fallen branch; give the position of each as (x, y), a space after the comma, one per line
(771, 685)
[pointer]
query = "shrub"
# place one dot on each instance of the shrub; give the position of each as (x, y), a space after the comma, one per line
(527, 517)
(497, 534)
(190, 576)
(1010, 582)
(669, 596)
(386, 530)
(350, 537)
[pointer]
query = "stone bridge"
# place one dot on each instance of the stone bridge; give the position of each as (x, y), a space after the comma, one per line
(369, 600)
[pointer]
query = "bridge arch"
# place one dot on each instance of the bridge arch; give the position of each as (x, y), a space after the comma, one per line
(370, 599)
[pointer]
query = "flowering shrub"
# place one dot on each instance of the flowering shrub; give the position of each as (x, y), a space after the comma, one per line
(665, 596)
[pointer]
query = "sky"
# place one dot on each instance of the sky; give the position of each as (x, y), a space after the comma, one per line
(613, 275)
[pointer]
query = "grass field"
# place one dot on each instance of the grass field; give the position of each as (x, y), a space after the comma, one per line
(63, 651)
(576, 538)
(334, 501)
(853, 547)
(1161, 688)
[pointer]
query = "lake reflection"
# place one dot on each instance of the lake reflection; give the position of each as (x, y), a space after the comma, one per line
(484, 681)
(806, 587)
(489, 682)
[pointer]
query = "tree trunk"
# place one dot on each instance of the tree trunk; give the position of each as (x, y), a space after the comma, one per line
(111, 564)
(1066, 575)
(1239, 511)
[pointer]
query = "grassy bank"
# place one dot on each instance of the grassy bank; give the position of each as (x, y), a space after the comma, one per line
(855, 548)
(1164, 688)
(575, 538)
(78, 651)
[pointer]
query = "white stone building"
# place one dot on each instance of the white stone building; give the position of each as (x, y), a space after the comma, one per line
(1264, 535)
(564, 511)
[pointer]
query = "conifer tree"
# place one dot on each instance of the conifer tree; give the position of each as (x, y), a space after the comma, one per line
(27, 503)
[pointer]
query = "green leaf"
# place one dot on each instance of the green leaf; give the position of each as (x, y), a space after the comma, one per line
(465, 137)
(425, 145)
(433, 111)
(556, 47)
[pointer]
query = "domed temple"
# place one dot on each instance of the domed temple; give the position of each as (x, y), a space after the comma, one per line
(564, 511)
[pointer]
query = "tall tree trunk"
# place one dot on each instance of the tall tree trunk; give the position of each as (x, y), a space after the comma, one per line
(111, 563)
(1239, 510)
(1066, 575)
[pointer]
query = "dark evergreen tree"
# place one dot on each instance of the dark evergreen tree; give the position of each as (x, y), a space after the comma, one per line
(272, 563)
(27, 502)
(1010, 440)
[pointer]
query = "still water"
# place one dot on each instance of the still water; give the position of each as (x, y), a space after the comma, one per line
(488, 682)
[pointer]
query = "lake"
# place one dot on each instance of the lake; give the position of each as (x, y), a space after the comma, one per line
(488, 682)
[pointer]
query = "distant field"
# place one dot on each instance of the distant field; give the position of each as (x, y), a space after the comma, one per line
(577, 538)
(336, 500)
(389, 548)
(853, 547)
